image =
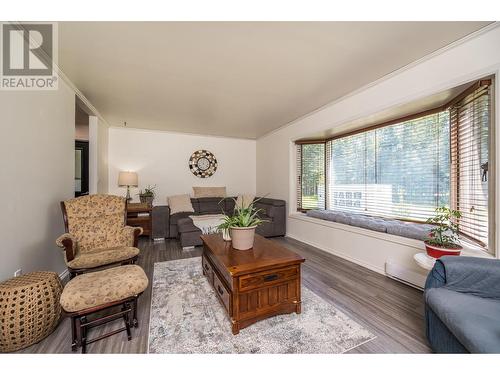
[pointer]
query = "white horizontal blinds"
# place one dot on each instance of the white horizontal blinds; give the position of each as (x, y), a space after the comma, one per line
(298, 163)
(328, 151)
(399, 171)
(470, 119)
(312, 176)
(351, 170)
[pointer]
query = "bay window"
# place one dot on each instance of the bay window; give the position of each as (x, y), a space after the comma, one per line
(407, 168)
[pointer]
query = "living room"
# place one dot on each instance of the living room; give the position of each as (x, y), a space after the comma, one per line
(267, 186)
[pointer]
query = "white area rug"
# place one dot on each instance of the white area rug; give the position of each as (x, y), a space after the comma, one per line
(186, 317)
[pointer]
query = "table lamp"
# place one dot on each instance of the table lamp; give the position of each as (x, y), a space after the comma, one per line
(128, 179)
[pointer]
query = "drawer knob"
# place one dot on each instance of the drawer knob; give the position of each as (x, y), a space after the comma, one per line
(270, 277)
(219, 289)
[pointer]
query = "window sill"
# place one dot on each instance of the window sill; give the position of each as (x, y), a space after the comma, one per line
(468, 249)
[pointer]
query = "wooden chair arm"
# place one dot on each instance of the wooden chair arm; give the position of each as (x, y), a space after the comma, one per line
(133, 232)
(137, 232)
(68, 243)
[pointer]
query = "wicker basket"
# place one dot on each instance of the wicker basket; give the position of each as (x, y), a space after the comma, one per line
(29, 309)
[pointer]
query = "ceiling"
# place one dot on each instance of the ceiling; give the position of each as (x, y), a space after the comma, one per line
(238, 79)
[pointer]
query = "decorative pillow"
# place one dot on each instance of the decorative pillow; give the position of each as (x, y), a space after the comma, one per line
(180, 203)
(243, 201)
(209, 192)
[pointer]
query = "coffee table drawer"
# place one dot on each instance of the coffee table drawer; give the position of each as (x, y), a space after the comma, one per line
(207, 270)
(265, 278)
(222, 292)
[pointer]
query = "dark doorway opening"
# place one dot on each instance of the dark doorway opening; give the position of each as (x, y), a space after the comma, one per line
(81, 168)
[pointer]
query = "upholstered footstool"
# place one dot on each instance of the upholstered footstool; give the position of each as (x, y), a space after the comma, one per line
(189, 234)
(29, 309)
(103, 291)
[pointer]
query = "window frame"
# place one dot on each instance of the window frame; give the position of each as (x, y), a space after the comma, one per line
(298, 172)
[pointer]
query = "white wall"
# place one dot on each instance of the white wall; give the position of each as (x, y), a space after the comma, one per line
(37, 135)
(457, 64)
(102, 158)
(161, 159)
(98, 156)
(93, 156)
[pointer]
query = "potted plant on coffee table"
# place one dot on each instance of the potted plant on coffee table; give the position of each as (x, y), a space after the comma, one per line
(443, 238)
(242, 226)
(224, 228)
(148, 195)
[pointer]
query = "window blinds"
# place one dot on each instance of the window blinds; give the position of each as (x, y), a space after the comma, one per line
(470, 120)
(311, 176)
(399, 171)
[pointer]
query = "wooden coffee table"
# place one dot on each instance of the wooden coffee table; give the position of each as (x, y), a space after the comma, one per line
(252, 284)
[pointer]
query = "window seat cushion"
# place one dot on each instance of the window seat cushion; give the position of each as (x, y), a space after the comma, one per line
(400, 228)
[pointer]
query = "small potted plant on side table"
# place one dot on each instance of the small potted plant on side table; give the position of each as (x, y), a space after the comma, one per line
(443, 238)
(241, 226)
(148, 195)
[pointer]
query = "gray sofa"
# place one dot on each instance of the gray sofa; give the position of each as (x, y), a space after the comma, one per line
(180, 226)
(462, 305)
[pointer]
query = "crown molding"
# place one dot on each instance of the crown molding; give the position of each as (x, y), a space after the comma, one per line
(144, 130)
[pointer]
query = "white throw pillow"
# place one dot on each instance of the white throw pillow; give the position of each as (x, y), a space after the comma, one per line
(209, 192)
(243, 201)
(180, 203)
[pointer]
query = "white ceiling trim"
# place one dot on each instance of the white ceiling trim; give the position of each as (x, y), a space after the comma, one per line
(130, 128)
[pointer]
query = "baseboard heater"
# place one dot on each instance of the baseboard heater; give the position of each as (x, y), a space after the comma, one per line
(405, 275)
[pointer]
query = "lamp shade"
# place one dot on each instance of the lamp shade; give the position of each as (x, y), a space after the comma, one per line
(127, 179)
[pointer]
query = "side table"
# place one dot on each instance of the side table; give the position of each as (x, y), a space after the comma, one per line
(424, 261)
(140, 215)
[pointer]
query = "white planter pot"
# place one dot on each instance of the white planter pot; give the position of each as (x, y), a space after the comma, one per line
(242, 237)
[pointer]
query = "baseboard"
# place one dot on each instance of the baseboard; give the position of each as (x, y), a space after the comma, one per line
(404, 275)
(341, 255)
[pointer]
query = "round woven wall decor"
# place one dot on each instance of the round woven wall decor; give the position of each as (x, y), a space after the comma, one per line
(202, 163)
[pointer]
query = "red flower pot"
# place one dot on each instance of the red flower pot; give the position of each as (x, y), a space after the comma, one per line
(438, 252)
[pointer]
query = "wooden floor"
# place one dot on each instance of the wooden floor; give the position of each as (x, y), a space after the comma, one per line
(391, 310)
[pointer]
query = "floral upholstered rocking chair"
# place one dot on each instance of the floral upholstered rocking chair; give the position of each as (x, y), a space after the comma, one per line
(96, 236)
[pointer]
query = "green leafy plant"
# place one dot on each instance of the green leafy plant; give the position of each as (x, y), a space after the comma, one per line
(149, 191)
(446, 229)
(243, 217)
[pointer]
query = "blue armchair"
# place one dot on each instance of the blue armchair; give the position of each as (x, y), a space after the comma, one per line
(462, 305)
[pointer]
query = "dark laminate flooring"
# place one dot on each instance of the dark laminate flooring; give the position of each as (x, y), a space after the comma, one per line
(391, 310)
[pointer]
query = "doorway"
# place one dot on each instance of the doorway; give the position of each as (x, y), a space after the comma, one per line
(81, 168)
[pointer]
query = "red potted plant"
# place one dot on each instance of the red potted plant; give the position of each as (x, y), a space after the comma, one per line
(443, 238)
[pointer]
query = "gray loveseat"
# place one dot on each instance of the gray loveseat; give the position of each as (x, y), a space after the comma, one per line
(462, 305)
(179, 225)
